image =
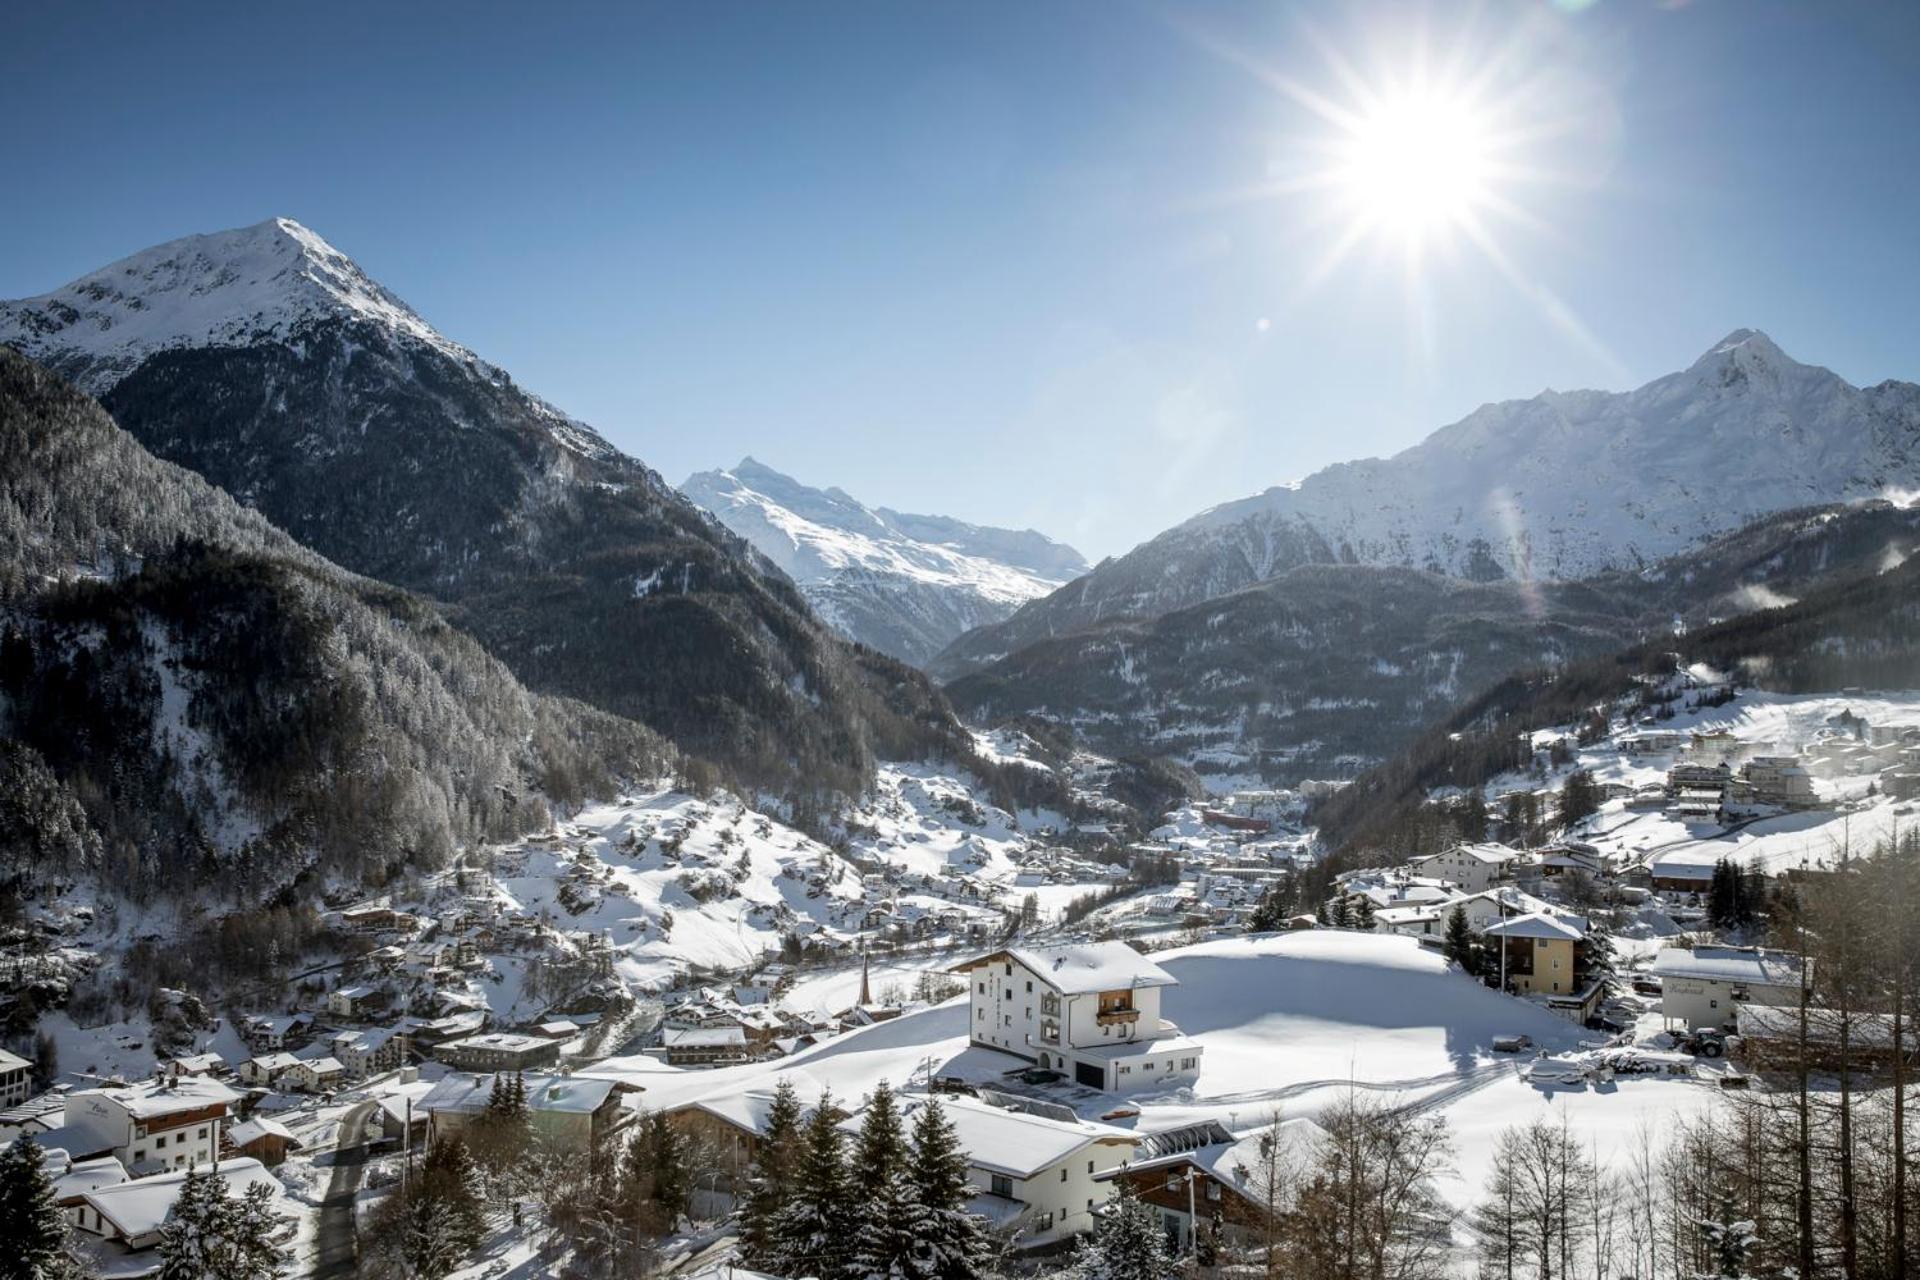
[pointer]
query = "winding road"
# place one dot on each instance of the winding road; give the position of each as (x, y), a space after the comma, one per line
(338, 1254)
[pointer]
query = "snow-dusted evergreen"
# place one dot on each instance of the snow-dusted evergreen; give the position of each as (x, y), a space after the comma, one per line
(904, 584)
(33, 1232)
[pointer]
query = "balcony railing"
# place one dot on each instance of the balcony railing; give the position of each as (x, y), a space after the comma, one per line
(1111, 1017)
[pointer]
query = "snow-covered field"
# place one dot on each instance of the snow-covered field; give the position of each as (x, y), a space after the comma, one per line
(1289, 1023)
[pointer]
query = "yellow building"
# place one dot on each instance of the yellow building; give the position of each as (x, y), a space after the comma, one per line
(1539, 950)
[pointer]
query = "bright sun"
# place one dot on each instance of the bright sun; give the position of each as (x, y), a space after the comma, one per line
(1413, 165)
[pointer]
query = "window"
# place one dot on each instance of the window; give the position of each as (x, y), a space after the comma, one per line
(978, 1014)
(983, 988)
(1009, 1020)
(1029, 1013)
(1009, 968)
(202, 1133)
(1000, 1185)
(1044, 1222)
(1029, 986)
(1063, 1175)
(1089, 1168)
(1186, 1064)
(1213, 1190)
(159, 1142)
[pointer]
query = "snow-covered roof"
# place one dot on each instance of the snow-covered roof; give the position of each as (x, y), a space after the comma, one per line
(1081, 967)
(696, 1037)
(152, 1098)
(467, 1094)
(502, 1040)
(747, 1108)
(1753, 965)
(82, 1176)
(1238, 1162)
(1015, 1143)
(12, 1061)
(250, 1131)
(141, 1207)
(1491, 852)
(1537, 924)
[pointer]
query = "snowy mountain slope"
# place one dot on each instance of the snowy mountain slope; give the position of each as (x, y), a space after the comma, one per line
(1331, 665)
(903, 584)
(263, 714)
(1561, 486)
(265, 360)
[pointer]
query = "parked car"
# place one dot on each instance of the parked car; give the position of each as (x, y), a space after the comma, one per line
(1512, 1044)
(1647, 984)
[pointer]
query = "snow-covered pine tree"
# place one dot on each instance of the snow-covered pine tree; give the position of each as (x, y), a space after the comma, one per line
(883, 1235)
(949, 1240)
(30, 1221)
(1127, 1244)
(813, 1232)
(1460, 947)
(194, 1243)
(672, 1179)
(770, 1180)
(253, 1226)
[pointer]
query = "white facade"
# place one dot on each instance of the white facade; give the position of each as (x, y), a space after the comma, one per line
(1039, 1178)
(170, 1124)
(16, 1079)
(1091, 1012)
(1474, 867)
(1706, 986)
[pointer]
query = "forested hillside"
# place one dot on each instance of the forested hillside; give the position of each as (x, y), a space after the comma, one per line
(194, 701)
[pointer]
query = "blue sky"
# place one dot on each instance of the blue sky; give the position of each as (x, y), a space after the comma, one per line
(1004, 261)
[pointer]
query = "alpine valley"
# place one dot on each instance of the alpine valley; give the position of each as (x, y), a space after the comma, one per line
(903, 584)
(1305, 631)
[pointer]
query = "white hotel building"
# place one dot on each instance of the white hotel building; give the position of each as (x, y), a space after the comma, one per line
(1090, 1011)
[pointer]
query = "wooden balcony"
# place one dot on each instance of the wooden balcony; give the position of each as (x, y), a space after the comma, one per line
(1112, 1017)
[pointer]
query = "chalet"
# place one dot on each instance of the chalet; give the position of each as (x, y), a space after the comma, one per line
(313, 1075)
(266, 1069)
(356, 1002)
(1474, 867)
(1090, 1010)
(1195, 1173)
(277, 1030)
(704, 1046)
(16, 1079)
(193, 1064)
(1540, 952)
(163, 1124)
(1705, 986)
(368, 1051)
(132, 1214)
(262, 1139)
(1651, 742)
(570, 1113)
(1681, 871)
(499, 1051)
(1039, 1177)
(72, 1179)
(1778, 782)
(730, 1123)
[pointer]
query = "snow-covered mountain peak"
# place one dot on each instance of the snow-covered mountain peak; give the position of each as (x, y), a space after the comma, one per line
(906, 584)
(225, 288)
